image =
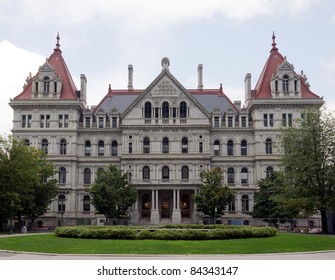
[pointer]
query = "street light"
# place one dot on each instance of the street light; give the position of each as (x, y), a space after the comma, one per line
(215, 210)
(116, 213)
(11, 217)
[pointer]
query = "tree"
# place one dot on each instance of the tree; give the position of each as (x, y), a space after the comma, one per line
(269, 201)
(213, 197)
(308, 160)
(26, 180)
(112, 193)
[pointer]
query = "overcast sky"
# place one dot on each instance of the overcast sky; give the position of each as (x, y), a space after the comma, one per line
(100, 38)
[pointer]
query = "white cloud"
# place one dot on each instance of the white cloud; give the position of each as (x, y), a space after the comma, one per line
(329, 71)
(15, 66)
(148, 13)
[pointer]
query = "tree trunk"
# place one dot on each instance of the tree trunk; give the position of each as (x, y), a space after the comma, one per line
(324, 221)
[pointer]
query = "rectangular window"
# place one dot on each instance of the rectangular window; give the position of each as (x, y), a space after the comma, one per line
(244, 121)
(101, 122)
(268, 120)
(41, 121)
(265, 120)
(87, 122)
(130, 148)
(66, 120)
(47, 121)
(60, 120)
(23, 121)
(230, 121)
(29, 121)
(271, 120)
(114, 122)
(201, 147)
(216, 122)
(283, 120)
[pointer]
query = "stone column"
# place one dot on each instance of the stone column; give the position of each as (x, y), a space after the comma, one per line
(154, 217)
(176, 216)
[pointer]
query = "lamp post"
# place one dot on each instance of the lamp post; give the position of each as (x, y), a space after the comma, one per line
(215, 210)
(116, 213)
(11, 217)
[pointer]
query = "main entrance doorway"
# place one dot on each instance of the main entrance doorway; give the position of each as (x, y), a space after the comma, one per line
(165, 204)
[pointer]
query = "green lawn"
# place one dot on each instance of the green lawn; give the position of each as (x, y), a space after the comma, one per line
(283, 242)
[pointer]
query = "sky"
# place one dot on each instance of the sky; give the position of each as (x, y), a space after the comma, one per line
(100, 38)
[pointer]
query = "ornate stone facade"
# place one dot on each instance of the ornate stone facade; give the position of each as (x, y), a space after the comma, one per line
(162, 136)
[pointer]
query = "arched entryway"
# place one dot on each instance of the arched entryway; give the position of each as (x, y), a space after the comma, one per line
(145, 205)
(165, 204)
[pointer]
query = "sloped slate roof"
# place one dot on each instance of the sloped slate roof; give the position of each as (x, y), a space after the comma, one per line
(57, 61)
(262, 89)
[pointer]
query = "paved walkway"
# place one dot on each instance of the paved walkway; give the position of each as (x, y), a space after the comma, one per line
(10, 255)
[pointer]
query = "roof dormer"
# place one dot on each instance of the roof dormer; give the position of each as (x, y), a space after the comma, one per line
(46, 84)
(285, 83)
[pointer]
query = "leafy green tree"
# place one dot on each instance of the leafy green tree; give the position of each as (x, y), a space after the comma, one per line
(213, 197)
(268, 201)
(112, 193)
(26, 180)
(308, 158)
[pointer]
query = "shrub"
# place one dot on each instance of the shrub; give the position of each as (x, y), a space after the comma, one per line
(170, 232)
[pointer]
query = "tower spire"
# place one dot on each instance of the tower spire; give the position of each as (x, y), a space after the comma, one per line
(274, 48)
(57, 43)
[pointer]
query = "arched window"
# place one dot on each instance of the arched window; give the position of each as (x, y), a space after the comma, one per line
(285, 83)
(62, 147)
(231, 175)
(244, 176)
(62, 175)
(87, 203)
(268, 146)
(45, 145)
(244, 149)
(146, 173)
(61, 203)
(165, 145)
(100, 169)
(147, 110)
(165, 110)
(146, 145)
(87, 148)
(216, 148)
(231, 206)
(185, 205)
(230, 148)
(245, 203)
(27, 142)
(183, 110)
(269, 171)
(184, 145)
(165, 173)
(101, 148)
(87, 176)
(46, 84)
(184, 173)
(114, 148)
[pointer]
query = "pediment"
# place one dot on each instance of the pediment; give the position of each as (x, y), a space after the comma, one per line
(286, 66)
(165, 87)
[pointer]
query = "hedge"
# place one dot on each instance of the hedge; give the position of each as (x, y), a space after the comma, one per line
(175, 232)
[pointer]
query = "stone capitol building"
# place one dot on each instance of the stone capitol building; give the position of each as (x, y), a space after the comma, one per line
(162, 136)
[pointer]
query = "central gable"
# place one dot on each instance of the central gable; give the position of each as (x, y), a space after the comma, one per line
(166, 94)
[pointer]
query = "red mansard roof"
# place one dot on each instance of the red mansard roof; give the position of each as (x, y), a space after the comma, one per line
(262, 89)
(57, 61)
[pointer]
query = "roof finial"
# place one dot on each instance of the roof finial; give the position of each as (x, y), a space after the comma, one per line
(274, 48)
(57, 44)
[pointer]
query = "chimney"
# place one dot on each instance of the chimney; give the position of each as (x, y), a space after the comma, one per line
(130, 77)
(247, 87)
(237, 104)
(200, 83)
(83, 88)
